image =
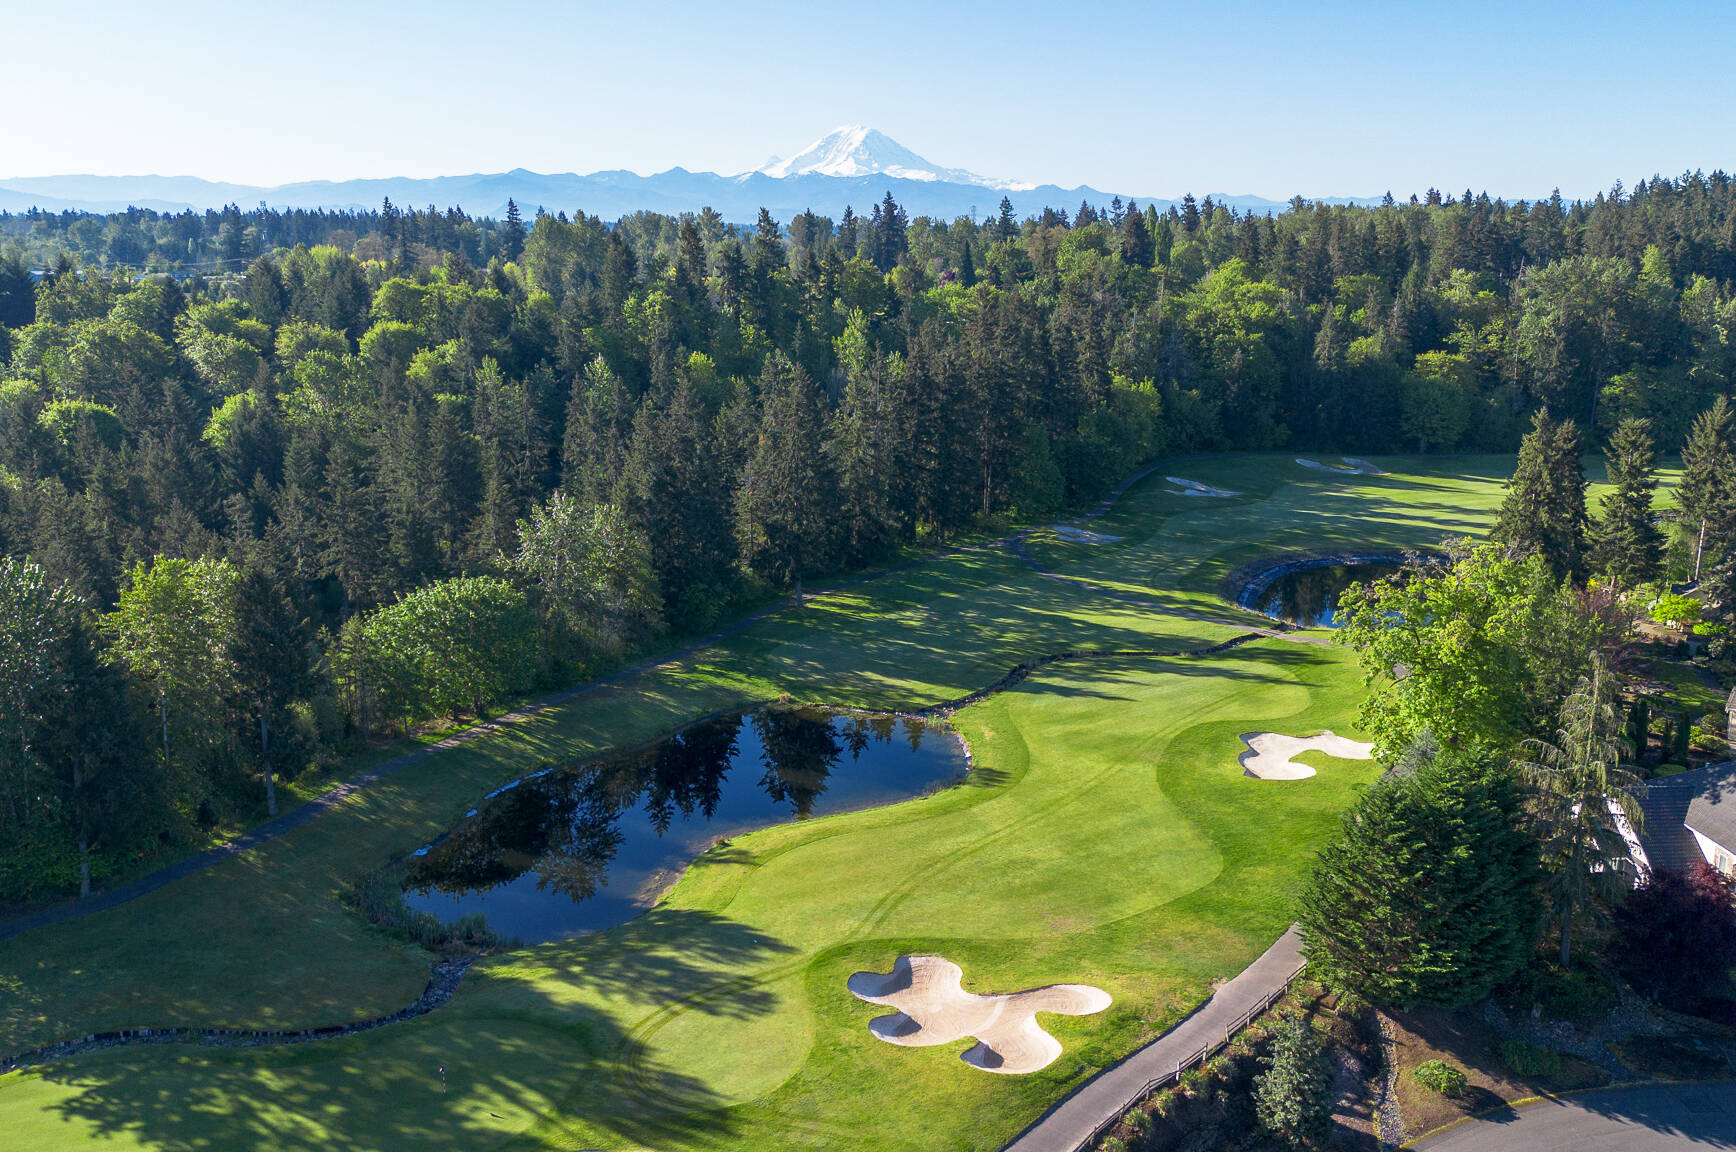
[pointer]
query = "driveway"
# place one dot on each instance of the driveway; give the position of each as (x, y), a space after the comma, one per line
(1654, 1118)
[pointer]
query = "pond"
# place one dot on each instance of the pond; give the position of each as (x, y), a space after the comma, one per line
(574, 850)
(1308, 595)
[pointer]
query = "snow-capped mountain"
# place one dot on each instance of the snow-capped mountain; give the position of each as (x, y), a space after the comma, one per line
(857, 150)
(852, 167)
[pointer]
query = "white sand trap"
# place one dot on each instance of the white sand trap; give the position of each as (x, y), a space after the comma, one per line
(1351, 466)
(1082, 535)
(1195, 488)
(933, 1008)
(1268, 754)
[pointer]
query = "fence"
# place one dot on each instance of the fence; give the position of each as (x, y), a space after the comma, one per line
(1197, 1058)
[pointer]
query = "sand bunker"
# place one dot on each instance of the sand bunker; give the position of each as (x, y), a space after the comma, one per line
(1268, 754)
(1082, 535)
(1195, 488)
(933, 1008)
(1351, 466)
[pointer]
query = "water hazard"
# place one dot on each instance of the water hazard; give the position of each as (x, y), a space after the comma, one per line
(1308, 596)
(575, 850)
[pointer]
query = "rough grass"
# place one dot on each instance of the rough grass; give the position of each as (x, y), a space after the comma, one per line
(1107, 837)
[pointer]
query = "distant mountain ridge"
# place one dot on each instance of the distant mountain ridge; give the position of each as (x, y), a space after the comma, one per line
(853, 166)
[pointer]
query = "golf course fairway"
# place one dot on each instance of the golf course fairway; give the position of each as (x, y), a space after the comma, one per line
(1106, 836)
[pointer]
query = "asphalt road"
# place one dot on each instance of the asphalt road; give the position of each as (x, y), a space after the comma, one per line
(1655, 1118)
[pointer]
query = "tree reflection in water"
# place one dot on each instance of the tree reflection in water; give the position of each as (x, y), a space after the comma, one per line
(1309, 596)
(582, 848)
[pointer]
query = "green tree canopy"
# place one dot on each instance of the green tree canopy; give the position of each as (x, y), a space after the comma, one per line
(1544, 511)
(1480, 653)
(1629, 546)
(1293, 1097)
(1428, 896)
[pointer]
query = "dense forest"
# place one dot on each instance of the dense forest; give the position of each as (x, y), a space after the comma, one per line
(274, 482)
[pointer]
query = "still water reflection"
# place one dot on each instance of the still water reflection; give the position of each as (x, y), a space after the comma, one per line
(575, 850)
(1309, 596)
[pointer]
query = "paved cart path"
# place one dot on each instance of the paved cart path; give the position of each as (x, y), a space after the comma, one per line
(1078, 1118)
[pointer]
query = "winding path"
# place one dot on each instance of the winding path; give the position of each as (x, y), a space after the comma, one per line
(1079, 1118)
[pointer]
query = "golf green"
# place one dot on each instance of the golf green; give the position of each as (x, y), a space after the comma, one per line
(1106, 837)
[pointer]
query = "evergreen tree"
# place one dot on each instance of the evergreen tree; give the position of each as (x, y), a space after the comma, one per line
(1429, 894)
(1584, 787)
(867, 451)
(272, 654)
(1544, 511)
(1293, 1097)
(512, 233)
(1629, 546)
(890, 228)
(786, 490)
(1707, 494)
(1137, 247)
(95, 745)
(674, 488)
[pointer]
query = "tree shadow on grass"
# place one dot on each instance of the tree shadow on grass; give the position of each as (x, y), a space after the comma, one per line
(515, 1050)
(469, 1084)
(700, 959)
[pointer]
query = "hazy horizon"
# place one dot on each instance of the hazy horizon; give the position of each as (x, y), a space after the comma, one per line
(1354, 99)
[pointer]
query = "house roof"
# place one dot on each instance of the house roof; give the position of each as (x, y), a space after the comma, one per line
(1704, 800)
(1712, 809)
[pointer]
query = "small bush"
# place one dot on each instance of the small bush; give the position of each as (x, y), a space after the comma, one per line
(1572, 995)
(1440, 1077)
(1530, 1060)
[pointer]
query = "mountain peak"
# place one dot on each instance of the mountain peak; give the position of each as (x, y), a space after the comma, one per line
(858, 150)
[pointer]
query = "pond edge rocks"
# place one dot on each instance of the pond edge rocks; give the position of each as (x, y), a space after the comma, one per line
(1246, 586)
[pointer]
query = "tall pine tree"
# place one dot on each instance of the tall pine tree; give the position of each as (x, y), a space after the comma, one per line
(1629, 545)
(1544, 511)
(1707, 495)
(783, 504)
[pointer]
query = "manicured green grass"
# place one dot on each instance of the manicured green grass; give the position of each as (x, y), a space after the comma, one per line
(1107, 837)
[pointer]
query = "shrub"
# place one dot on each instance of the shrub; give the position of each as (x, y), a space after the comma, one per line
(1676, 611)
(1293, 1097)
(1440, 1077)
(1571, 995)
(1676, 935)
(1530, 1060)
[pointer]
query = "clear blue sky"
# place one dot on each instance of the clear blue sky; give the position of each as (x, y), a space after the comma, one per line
(1336, 98)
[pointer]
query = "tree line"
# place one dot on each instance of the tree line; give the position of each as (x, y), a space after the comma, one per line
(440, 461)
(1499, 692)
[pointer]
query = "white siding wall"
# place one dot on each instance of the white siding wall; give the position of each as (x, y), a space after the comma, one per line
(1721, 858)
